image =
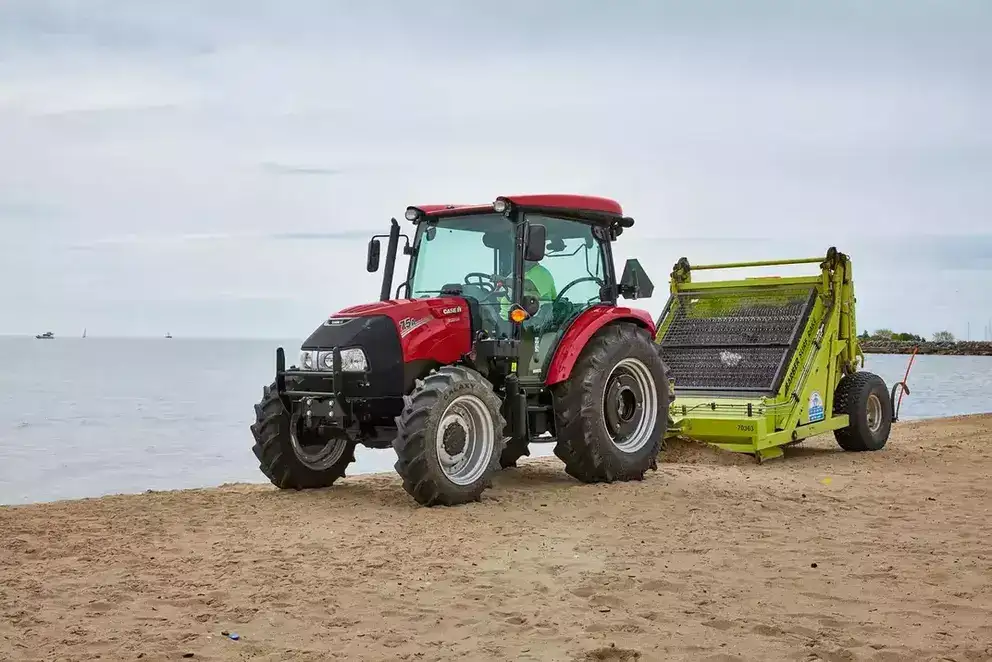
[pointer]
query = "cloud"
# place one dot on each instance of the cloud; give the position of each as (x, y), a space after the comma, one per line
(320, 236)
(152, 240)
(190, 150)
(21, 210)
(283, 169)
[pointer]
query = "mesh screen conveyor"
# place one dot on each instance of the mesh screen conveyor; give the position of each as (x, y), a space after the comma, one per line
(733, 339)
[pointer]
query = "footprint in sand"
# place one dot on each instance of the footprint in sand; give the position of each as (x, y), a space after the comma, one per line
(609, 654)
(660, 586)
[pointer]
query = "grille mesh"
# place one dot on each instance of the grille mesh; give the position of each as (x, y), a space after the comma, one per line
(732, 339)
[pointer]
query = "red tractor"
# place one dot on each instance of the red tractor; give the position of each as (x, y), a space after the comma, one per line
(508, 333)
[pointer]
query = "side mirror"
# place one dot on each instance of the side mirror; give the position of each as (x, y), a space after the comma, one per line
(537, 239)
(372, 261)
(634, 283)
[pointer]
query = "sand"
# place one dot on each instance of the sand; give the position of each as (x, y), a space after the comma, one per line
(823, 555)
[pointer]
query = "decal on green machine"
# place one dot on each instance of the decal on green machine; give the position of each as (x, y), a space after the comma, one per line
(815, 407)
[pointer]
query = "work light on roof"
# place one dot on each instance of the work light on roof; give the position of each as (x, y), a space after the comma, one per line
(500, 206)
(412, 213)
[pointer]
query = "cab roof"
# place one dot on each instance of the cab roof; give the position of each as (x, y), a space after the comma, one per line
(587, 207)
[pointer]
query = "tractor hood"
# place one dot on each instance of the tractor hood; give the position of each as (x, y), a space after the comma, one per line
(420, 325)
(376, 308)
(351, 326)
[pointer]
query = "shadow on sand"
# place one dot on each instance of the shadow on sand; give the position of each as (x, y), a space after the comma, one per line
(540, 475)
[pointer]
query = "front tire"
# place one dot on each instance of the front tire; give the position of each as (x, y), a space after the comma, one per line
(864, 398)
(296, 458)
(612, 412)
(449, 437)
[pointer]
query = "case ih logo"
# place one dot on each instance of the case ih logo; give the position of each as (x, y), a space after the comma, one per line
(452, 311)
(409, 324)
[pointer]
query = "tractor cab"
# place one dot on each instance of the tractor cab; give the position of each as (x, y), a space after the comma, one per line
(527, 267)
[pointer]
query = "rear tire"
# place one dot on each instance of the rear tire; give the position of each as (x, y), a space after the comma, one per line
(864, 398)
(299, 461)
(449, 437)
(612, 412)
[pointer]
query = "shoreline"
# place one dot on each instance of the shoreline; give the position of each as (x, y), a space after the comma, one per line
(872, 556)
(352, 477)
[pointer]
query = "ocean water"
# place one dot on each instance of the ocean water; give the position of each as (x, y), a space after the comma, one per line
(88, 417)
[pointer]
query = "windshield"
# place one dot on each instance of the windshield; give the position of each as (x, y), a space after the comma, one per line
(458, 246)
(470, 252)
(475, 253)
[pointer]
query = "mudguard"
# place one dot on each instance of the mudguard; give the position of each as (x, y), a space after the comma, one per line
(585, 327)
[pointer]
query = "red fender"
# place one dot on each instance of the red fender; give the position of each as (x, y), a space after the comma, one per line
(583, 328)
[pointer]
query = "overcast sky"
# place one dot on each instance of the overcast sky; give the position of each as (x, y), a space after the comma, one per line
(215, 168)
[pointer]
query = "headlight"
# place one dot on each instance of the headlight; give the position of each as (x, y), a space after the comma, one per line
(353, 359)
(307, 360)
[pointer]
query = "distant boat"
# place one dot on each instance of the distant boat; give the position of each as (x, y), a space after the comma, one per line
(168, 335)
(84, 332)
(47, 335)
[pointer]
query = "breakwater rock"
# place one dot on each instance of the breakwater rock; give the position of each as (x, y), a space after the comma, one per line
(963, 348)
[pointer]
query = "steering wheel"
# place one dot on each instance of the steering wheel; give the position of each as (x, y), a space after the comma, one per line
(584, 279)
(488, 283)
(483, 281)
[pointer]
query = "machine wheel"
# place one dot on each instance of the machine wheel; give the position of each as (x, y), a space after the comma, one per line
(864, 398)
(612, 411)
(291, 456)
(515, 449)
(449, 437)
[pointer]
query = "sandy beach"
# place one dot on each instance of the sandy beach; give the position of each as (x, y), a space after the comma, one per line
(824, 555)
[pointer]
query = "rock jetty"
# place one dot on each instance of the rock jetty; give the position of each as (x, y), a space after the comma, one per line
(963, 348)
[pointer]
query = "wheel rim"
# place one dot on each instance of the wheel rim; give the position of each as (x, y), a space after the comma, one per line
(466, 437)
(630, 403)
(874, 411)
(315, 451)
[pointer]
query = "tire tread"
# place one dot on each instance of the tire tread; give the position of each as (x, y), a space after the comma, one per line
(427, 486)
(583, 442)
(274, 451)
(850, 398)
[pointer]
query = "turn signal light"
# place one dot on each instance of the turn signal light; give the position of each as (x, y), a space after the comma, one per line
(518, 315)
